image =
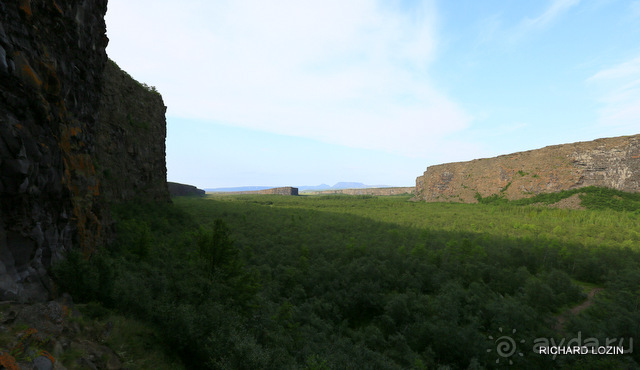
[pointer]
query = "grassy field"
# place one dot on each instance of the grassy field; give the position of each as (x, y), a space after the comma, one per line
(604, 227)
(335, 281)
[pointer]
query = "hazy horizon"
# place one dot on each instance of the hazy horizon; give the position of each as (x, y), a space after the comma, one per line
(289, 92)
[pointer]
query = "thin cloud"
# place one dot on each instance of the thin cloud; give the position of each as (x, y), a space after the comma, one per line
(345, 72)
(625, 70)
(488, 28)
(634, 8)
(555, 10)
(618, 90)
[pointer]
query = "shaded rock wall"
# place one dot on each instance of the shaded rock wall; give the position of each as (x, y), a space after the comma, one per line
(52, 54)
(130, 139)
(610, 162)
(181, 190)
(67, 149)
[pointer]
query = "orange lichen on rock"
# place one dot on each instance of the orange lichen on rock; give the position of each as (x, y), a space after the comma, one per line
(75, 131)
(55, 5)
(48, 355)
(52, 84)
(31, 74)
(81, 180)
(27, 73)
(25, 6)
(8, 361)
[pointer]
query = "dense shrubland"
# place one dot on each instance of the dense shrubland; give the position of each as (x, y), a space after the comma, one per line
(367, 282)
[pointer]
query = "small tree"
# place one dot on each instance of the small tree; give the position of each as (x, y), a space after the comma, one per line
(217, 249)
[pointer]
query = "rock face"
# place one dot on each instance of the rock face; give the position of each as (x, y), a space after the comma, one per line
(287, 190)
(369, 191)
(52, 54)
(58, 156)
(130, 139)
(610, 162)
(181, 190)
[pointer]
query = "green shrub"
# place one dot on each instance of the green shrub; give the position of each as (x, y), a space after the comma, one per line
(360, 282)
(86, 280)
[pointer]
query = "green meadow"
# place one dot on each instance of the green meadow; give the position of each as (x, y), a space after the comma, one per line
(362, 282)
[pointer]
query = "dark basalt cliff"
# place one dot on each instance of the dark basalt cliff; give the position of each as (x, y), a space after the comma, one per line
(611, 162)
(54, 159)
(130, 139)
(183, 190)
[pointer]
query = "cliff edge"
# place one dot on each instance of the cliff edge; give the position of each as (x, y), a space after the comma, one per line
(182, 190)
(610, 162)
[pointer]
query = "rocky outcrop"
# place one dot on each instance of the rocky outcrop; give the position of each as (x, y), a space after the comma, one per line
(287, 190)
(67, 149)
(369, 191)
(610, 162)
(130, 139)
(52, 54)
(42, 335)
(182, 190)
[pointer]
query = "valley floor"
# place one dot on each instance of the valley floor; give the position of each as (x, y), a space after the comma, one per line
(337, 281)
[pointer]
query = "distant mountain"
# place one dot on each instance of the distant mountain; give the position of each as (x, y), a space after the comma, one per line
(349, 185)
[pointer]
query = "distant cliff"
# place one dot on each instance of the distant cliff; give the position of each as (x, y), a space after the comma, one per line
(369, 191)
(58, 156)
(181, 190)
(287, 190)
(610, 162)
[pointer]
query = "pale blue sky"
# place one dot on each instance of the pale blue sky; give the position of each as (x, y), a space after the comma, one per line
(294, 92)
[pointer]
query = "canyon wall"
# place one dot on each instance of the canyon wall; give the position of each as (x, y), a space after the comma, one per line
(286, 190)
(61, 161)
(52, 54)
(610, 162)
(184, 190)
(368, 191)
(130, 139)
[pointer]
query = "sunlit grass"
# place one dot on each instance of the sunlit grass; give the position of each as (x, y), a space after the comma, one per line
(588, 227)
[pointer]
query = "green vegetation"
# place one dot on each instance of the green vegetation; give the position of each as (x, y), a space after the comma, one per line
(594, 198)
(324, 282)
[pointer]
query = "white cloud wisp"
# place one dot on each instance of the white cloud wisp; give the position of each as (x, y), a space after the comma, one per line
(619, 91)
(556, 9)
(344, 72)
